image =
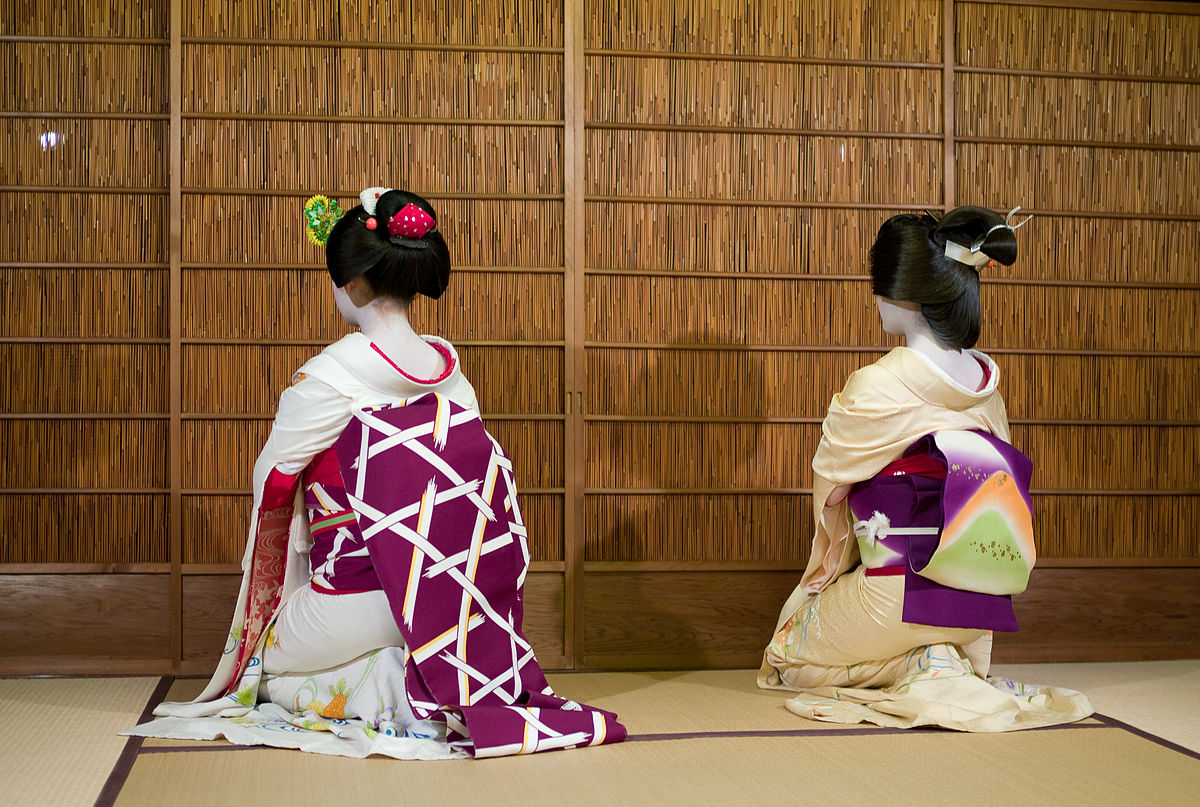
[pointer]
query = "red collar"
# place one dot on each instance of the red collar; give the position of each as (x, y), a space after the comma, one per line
(442, 349)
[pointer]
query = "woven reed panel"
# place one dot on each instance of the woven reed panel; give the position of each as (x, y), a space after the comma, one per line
(136, 222)
(666, 129)
(84, 454)
(901, 30)
(745, 384)
(745, 238)
(237, 79)
(88, 378)
(83, 528)
(1078, 40)
(90, 153)
(64, 301)
(663, 129)
(274, 304)
(484, 127)
(132, 18)
(1113, 144)
(1087, 179)
(478, 22)
(1079, 109)
(61, 78)
(258, 374)
(84, 170)
(1112, 388)
(460, 159)
(711, 167)
(1091, 249)
(634, 90)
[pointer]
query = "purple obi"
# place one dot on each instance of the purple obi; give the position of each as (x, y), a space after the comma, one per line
(953, 516)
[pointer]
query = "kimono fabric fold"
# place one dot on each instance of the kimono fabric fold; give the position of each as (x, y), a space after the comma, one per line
(437, 506)
(841, 639)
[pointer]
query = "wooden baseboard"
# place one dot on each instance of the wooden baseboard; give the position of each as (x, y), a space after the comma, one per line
(41, 666)
(114, 624)
(680, 620)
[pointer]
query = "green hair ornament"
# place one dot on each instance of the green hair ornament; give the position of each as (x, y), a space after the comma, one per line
(320, 214)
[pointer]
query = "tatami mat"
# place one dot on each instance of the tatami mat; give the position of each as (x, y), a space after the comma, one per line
(1161, 697)
(1067, 766)
(58, 736)
(702, 737)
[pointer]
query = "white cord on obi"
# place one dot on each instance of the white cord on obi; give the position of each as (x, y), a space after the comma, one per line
(880, 526)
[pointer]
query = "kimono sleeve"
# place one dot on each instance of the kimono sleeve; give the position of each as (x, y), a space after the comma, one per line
(310, 417)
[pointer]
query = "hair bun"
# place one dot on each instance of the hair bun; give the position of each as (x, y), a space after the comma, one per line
(974, 235)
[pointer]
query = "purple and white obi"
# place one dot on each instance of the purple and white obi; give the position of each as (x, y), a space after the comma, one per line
(953, 515)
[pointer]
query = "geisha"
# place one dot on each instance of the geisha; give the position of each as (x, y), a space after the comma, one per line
(923, 529)
(381, 603)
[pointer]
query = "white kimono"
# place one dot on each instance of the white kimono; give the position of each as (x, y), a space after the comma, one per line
(348, 375)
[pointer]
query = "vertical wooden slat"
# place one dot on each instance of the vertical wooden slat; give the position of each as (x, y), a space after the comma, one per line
(949, 171)
(175, 350)
(574, 376)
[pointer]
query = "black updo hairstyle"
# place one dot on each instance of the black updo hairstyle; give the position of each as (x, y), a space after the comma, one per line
(909, 263)
(395, 267)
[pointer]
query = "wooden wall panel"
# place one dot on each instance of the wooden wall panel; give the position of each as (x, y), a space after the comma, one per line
(698, 527)
(1120, 614)
(664, 620)
(85, 623)
(659, 214)
(208, 603)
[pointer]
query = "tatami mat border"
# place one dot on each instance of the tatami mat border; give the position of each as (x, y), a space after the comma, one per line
(135, 747)
(1145, 735)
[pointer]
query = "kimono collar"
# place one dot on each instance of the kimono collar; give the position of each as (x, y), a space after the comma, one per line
(355, 353)
(932, 384)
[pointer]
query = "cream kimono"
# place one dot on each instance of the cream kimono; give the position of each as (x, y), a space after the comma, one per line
(840, 638)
